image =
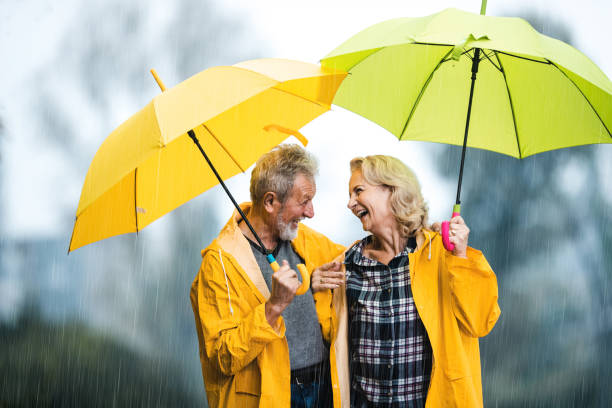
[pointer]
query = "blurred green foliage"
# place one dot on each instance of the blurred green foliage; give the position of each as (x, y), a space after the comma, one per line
(547, 237)
(69, 365)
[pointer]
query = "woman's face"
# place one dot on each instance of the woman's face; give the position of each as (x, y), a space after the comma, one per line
(370, 203)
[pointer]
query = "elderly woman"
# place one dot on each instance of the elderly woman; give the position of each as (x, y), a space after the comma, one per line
(412, 310)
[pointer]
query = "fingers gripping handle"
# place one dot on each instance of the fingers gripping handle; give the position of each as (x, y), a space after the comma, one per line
(301, 269)
(445, 229)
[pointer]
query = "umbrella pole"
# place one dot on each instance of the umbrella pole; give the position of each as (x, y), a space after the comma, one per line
(445, 226)
(475, 62)
(273, 264)
(193, 137)
(305, 285)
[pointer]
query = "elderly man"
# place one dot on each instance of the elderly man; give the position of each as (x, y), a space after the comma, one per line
(260, 344)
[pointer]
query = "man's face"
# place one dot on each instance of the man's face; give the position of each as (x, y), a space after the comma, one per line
(297, 206)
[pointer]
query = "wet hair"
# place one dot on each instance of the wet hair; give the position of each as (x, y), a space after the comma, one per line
(276, 171)
(407, 204)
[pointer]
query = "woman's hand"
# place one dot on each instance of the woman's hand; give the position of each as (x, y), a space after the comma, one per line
(327, 276)
(458, 235)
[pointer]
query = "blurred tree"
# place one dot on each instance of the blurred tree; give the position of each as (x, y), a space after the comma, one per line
(545, 228)
(2, 194)
(1, 183)
(136, 290)
(70, 365)
(102, 68)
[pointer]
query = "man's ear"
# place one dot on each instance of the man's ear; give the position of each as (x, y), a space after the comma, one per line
(270, 201)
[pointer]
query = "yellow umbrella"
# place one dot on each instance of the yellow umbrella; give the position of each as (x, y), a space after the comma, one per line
(149, 165)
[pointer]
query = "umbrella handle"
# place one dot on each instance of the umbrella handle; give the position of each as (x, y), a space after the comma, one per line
(303, 272)
(305, 280)
(445, 229)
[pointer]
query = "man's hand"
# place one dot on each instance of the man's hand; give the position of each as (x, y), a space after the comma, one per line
(284, 285)
(458, 234)
(327, 276)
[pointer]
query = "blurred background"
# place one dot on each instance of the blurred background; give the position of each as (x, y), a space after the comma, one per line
(111, 324)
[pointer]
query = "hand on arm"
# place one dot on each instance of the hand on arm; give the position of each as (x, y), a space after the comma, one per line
(327, 276)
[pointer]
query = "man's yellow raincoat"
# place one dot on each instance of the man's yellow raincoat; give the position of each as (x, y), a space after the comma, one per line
(245, 361)
(457, 301)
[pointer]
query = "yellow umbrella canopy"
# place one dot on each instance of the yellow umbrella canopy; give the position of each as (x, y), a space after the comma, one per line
(149, 165)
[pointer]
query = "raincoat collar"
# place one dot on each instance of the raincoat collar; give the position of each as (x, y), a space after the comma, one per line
(424, 238)
(232, 241)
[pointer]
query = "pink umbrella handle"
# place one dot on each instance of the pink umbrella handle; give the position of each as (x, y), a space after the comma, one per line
(445, 239)
(445, 230)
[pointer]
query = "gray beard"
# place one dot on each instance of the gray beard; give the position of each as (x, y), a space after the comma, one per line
(286, 232)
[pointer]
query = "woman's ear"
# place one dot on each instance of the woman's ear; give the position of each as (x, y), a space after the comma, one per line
(269, 200)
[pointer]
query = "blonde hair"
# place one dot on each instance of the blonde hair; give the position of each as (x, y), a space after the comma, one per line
(407, 203)
(276, 171)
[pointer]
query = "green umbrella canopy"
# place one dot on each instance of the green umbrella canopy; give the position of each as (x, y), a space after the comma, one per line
(533, 93)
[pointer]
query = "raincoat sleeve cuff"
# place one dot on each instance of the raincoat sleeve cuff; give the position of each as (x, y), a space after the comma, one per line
(473, 259)
(267, 331)
(474, 291)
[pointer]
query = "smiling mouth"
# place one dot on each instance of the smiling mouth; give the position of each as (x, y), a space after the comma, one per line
(361, 213)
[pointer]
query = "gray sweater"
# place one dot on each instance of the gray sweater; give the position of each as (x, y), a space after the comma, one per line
(303, 331)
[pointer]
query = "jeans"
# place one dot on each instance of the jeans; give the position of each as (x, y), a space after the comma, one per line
(316, 394)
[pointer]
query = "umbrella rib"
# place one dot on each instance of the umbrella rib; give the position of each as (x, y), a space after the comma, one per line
(362, 59)
(287, 92)
(298, 96)
(430, 44)
(492, 63)
(547, 62)
(376, 50)
(416, 103)
(584, 96)
(72, 236)
(223, 147)
(518, 144)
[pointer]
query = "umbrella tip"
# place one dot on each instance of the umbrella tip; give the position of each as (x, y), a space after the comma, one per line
(158, 80)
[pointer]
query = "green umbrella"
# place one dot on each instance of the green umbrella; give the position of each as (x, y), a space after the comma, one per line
(416, 78)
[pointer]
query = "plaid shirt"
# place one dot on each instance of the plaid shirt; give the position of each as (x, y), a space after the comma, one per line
(390, 353)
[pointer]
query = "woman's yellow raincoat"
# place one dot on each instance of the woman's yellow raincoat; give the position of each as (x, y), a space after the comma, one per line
(457, 301)
(245, 361)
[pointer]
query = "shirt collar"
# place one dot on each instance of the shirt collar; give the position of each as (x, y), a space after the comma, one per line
(355, 254)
